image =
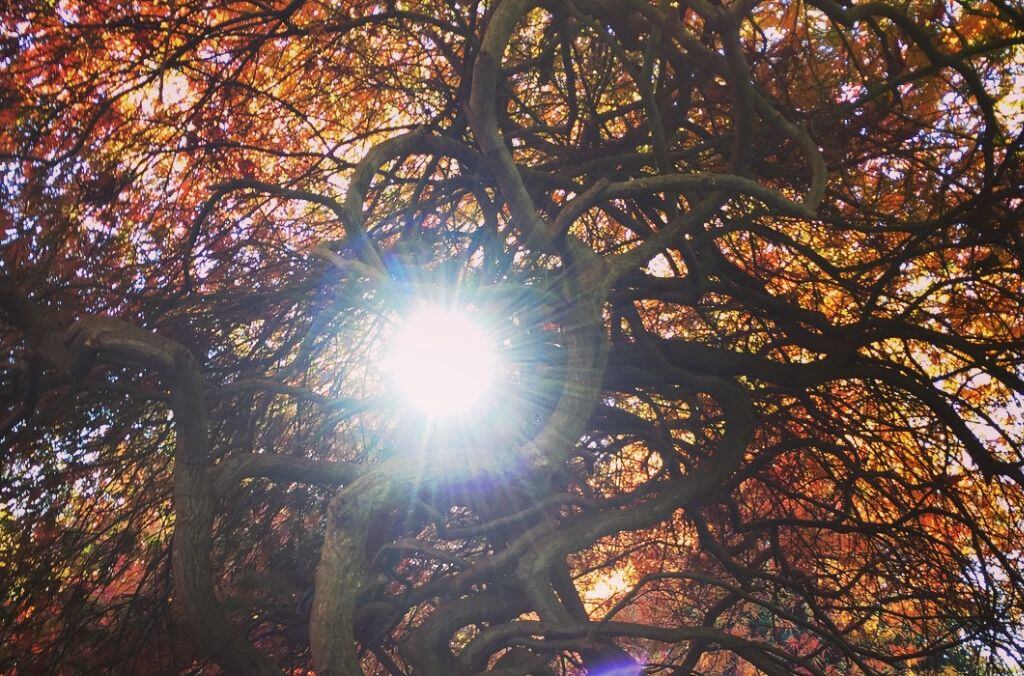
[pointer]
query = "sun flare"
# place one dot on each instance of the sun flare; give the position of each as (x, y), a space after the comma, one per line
(441, 361)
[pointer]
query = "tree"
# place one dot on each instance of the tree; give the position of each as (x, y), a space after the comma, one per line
(755, 269)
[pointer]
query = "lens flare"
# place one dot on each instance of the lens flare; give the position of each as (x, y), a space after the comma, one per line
(441, 362)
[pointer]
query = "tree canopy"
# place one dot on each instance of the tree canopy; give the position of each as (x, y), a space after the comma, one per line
(754, 275)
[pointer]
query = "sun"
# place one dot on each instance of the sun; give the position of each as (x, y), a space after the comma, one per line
(441, 362)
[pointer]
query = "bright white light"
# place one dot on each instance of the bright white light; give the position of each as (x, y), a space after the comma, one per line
(441, 362)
